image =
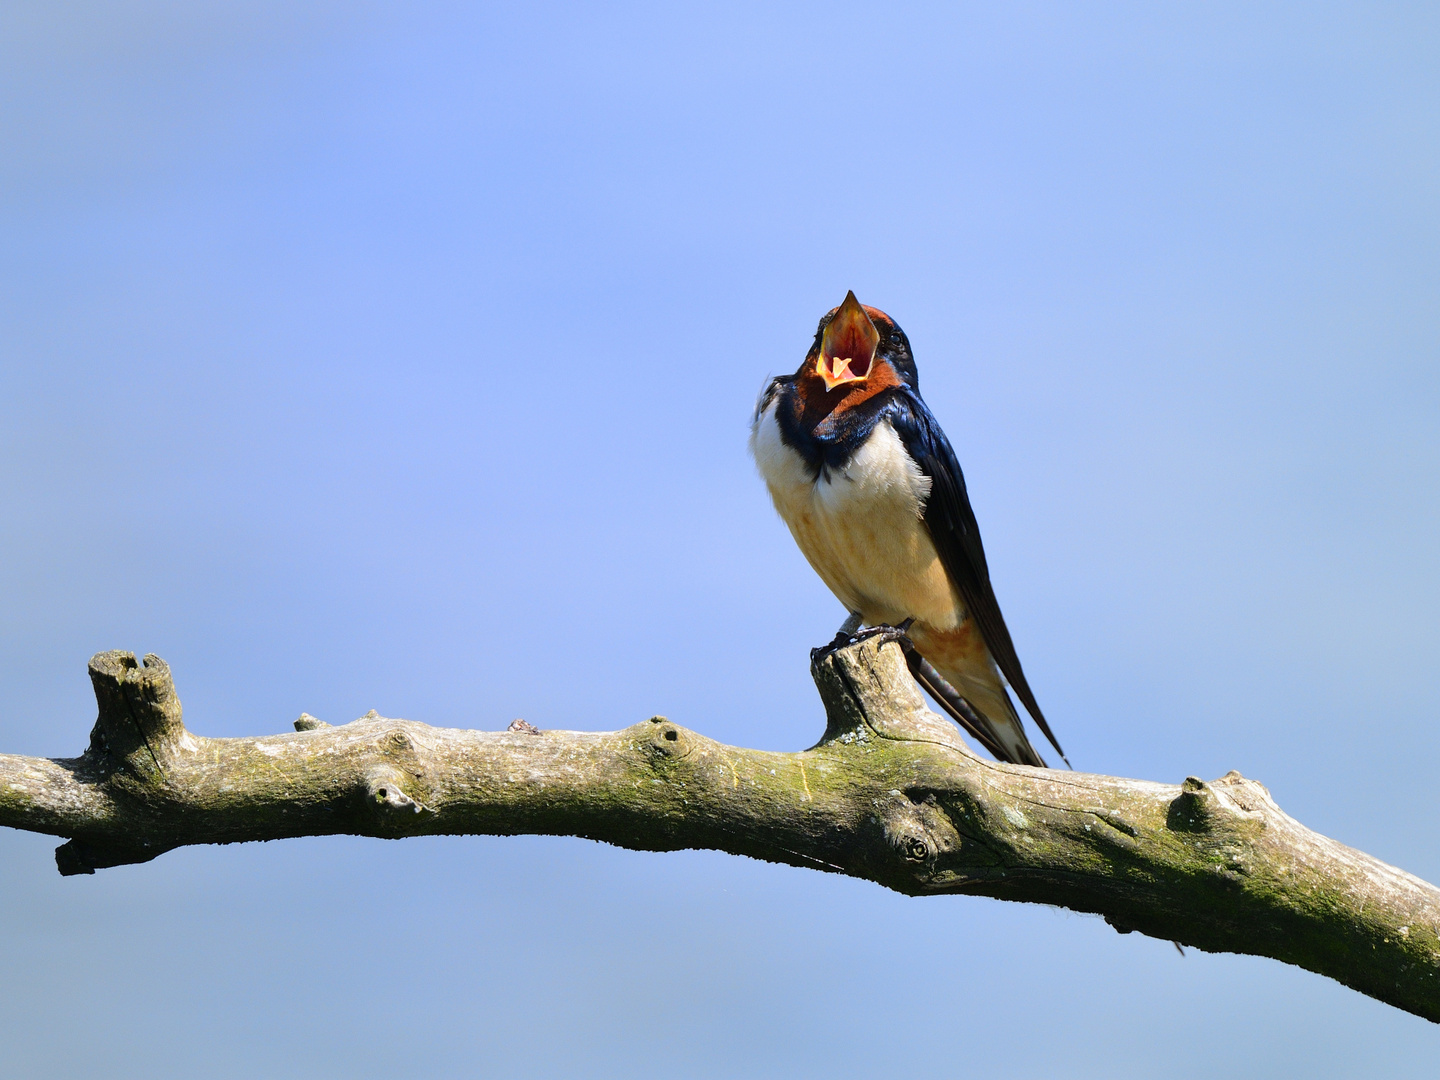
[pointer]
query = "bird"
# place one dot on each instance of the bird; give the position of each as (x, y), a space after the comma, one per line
(870, 488)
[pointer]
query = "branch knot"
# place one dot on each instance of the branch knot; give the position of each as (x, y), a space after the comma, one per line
(386, 796)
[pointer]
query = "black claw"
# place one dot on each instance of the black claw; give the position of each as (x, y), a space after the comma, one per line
(842, 639)
(885, 633)
(839, 641)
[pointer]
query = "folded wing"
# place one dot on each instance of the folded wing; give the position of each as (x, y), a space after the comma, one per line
(956, 535)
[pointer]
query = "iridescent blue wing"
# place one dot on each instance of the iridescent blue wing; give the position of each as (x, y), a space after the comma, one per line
(953, 530)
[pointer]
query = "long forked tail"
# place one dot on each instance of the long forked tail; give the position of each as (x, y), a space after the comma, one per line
(1009, 744)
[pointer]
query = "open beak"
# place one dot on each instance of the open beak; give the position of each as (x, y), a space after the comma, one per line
(847, 348)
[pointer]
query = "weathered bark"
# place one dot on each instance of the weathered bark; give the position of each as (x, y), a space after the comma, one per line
(890, 793)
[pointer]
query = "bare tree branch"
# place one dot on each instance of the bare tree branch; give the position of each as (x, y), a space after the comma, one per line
(890, 794)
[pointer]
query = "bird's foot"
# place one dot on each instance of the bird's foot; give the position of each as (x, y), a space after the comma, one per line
(847, 637)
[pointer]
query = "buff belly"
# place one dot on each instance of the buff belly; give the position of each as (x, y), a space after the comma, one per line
(863, 531)
(861, 527)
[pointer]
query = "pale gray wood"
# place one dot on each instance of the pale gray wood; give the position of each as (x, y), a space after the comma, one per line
(890, 793)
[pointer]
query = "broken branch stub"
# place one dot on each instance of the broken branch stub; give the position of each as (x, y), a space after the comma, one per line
(139, 724)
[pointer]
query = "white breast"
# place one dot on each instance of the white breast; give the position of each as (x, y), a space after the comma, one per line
(861, 527)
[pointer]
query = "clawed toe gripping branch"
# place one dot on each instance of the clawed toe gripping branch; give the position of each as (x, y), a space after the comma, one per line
(890, 793)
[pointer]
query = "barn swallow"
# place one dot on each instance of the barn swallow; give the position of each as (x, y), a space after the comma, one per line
(860, 471)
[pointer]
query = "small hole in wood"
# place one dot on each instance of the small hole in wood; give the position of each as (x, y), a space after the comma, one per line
(672, 735)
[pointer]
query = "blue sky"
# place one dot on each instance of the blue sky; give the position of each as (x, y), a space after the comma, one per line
(401, 357)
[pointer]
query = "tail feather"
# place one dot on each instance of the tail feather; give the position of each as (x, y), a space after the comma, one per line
(1005, 740)
(950, 700)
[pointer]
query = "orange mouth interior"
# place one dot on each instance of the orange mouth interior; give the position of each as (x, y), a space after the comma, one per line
(847, 348)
